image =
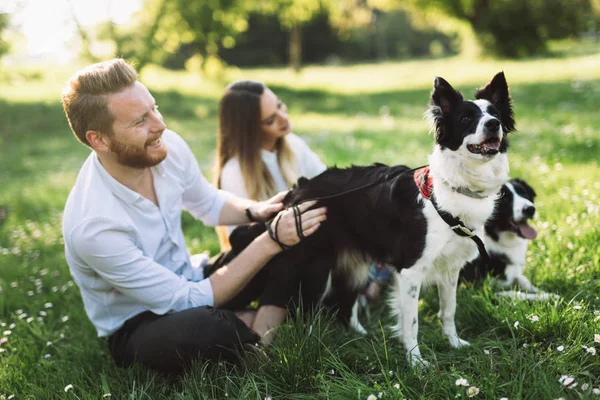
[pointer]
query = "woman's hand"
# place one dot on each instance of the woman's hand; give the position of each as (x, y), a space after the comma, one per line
(284, 227)
(262, 211)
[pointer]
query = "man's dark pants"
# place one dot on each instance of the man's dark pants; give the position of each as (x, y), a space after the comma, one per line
(171, 342)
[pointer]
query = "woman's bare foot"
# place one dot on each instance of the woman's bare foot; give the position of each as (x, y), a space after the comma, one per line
(248, 316)
(373, 291)
(267, 318)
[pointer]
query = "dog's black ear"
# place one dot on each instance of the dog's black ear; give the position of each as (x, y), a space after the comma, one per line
(496, 92)
(444, 95)
(528, 189)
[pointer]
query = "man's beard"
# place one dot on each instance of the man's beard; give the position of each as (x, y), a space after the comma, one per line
(136, 157)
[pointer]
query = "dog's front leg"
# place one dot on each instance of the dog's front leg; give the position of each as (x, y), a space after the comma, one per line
(407, 303)
(447, 286)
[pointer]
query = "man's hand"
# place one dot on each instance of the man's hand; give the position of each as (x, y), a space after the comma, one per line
(285, 223)
(264, 210)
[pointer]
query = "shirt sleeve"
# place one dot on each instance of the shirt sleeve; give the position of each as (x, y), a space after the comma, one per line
(110, 249)
(199, 198)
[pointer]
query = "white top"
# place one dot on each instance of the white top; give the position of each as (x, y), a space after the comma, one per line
(309, 165)
(126, 254)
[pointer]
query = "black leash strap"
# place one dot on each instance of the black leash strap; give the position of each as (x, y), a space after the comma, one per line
(461, 229)
(249, 215)
(273, 234)
(297, 214)
(384, 178)
(298, 220)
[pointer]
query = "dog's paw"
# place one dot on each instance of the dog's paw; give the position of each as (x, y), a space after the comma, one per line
(457, 343)
(358, 328)
(417, 362)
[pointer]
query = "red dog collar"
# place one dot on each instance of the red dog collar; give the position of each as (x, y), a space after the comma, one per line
(424, 182)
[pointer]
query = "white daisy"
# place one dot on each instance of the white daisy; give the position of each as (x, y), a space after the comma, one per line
(560, 348)
(472, 391)
(566, 380)
(516, 324)
(461, 382)
(596, 391)
(534, 318)
(597, 338)
(372, 397)
(591, 350)
(585, 386)
(397, 386)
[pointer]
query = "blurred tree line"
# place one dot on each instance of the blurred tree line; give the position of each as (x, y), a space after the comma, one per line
(206, 34)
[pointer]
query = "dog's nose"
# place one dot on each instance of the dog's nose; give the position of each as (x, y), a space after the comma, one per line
(529, 211)
(492, 125)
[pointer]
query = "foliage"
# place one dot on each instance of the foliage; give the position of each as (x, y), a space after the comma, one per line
(515, 28)
(4, 46)
(212, 24)
(148, 38)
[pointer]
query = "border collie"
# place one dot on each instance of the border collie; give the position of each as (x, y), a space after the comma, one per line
(507, 235)
(396, 216)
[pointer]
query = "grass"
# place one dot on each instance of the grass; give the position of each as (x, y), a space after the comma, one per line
(355, 114)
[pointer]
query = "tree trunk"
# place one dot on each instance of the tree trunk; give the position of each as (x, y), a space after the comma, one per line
(295, 47)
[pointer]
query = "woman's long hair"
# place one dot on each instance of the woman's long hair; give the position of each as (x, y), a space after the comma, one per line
(240, 135)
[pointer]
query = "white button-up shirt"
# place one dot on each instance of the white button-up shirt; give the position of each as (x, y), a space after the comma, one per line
(126, 254)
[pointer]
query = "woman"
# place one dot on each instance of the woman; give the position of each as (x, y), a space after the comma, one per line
(257, 157)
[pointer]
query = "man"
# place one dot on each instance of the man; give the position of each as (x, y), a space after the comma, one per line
(123, 238)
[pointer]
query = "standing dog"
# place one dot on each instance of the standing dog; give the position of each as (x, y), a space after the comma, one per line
(427, 223)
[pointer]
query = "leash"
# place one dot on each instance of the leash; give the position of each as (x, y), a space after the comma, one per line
(457, 226)
(297, 214)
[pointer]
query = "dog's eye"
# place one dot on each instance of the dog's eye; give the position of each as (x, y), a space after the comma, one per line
(465, 120)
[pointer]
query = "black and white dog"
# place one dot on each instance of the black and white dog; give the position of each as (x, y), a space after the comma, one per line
(427, 224)
(507, 235)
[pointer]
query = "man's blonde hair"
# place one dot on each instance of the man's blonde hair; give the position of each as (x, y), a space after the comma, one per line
(85, 97)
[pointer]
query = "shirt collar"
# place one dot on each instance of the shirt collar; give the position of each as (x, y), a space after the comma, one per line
(117, 188)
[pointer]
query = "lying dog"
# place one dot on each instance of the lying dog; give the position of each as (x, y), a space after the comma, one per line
(427, 224)
(507, 236)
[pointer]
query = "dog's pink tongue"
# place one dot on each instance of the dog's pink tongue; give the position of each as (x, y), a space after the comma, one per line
(492, 145)
(527, 231)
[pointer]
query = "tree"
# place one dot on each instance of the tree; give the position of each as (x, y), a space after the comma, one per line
(149, 37)
(292, 15)
(4, 46)
(210, 24)
(517, 28)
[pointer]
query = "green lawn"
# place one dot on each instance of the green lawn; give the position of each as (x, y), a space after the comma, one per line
(355, 114)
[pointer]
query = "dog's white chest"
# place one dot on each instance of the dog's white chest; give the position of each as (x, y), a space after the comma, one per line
(446, 250)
